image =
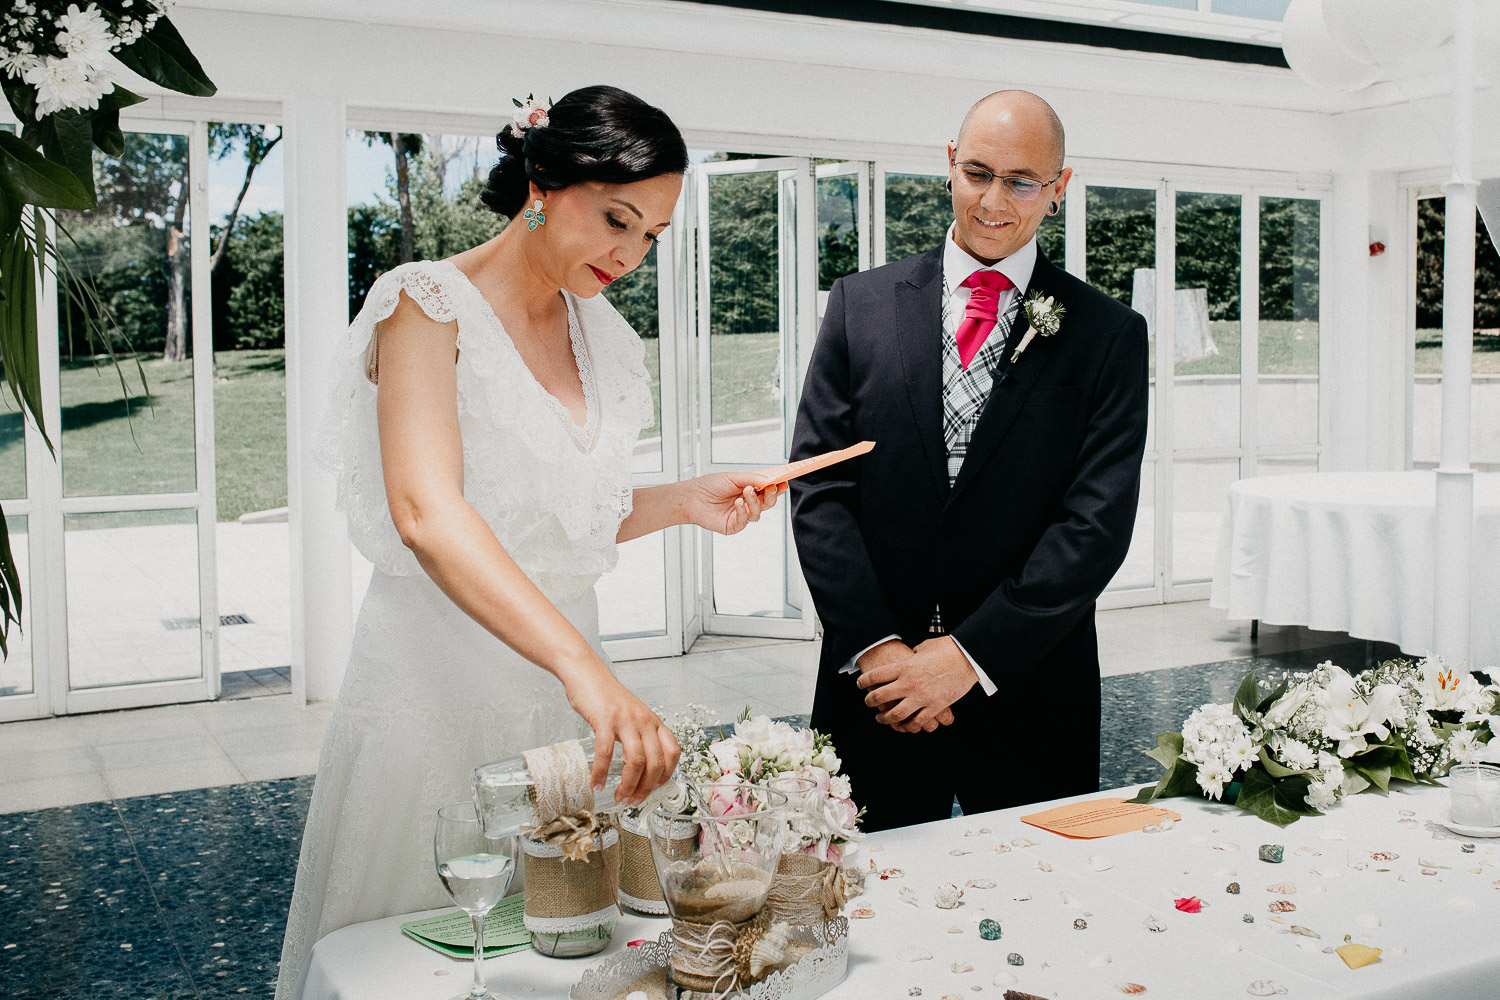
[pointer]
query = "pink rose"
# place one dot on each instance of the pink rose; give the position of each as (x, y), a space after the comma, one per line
(818, 776)
(729, 800)
(726, 756)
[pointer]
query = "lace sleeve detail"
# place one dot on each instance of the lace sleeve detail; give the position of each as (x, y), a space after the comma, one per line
(349, 442)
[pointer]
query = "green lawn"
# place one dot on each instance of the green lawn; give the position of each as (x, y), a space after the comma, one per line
(1430, 352)
(116, 441)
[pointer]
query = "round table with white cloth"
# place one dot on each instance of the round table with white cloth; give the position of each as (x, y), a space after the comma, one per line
(1353, 552)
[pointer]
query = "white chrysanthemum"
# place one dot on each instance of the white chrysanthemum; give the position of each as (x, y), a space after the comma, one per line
(17, 63)
(66, 84)
(84, 34)
(1321, 795)
(1211, 778)
(1463, 746)
(839, 787)
(1298, 755)
(1240, 754)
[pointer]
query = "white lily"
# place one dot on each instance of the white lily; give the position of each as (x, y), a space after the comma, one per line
(1444, 689)
(1350, 717)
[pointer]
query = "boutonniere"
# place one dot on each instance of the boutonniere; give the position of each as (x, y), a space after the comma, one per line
(1043, 318)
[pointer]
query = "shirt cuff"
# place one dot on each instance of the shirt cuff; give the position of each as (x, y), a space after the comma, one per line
(852, 667)
(985, 684)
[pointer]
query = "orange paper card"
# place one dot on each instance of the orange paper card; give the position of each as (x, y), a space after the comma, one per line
(1099, 818)
(782, 473)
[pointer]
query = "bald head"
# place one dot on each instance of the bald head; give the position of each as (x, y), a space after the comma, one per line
(1015, 111)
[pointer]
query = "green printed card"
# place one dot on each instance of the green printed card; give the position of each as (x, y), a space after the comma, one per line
(452, 934)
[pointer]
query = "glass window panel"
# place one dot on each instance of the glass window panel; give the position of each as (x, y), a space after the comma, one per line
(1051, 236)
(1120, 234)
(1266, 10)
(12, 450)
(632, 596)
(838, 228)
(132, 604)
(15, 669)
(744, 266)
(1289, 314)
(1139, 568)
(1206, 322)
(1120, 241)
(249, 322)
(1199, 490)
(129, 429)
(918, 212)
(635, 296)
(750, 571)
(1426, 416)
(439, 176)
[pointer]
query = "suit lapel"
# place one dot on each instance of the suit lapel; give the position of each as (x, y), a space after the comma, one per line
(919, 338)
(1005, 400)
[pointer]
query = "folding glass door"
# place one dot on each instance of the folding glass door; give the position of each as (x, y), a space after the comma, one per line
(114, 534)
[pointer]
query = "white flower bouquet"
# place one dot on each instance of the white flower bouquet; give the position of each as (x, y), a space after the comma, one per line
(1296, 750)
(756, 752)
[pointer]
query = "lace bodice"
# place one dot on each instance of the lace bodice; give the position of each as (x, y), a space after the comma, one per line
(553, 492)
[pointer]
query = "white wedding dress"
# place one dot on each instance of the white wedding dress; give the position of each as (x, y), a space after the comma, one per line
(429, 694)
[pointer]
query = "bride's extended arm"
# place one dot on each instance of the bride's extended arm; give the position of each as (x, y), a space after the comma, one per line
(422, 456)
(721, 501)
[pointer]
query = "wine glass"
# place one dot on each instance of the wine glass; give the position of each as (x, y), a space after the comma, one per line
(475, 866)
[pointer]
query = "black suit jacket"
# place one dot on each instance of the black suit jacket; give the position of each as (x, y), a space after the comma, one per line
(1015, 552)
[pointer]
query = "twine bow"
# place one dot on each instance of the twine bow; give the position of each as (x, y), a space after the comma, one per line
(837, 889)
(574, 833)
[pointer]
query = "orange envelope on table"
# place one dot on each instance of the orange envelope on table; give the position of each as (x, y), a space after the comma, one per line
(784, 473)
(1099, 818)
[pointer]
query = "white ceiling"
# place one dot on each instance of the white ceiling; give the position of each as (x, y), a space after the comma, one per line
(1162, 16)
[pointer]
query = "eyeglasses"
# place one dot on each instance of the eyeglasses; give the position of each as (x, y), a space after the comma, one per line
(1019, 188)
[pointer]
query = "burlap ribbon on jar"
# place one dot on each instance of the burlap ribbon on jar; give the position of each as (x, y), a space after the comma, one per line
(807, 890)
(640, 889)
(572, 852)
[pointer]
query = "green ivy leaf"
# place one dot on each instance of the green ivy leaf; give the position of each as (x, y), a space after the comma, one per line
(1275, 768)
(1247, 698)
(1181, 777)
(36, 179)
(1280, 801)
(161, 56)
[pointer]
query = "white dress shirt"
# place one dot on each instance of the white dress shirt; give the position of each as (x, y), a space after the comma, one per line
(958, 264)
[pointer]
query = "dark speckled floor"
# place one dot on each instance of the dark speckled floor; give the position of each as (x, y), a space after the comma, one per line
(185, 895)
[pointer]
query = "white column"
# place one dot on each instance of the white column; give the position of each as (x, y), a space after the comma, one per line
(1452, 588)
(317, 313)
(1344, 380)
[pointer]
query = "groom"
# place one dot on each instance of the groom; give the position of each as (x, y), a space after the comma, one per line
(955, 567)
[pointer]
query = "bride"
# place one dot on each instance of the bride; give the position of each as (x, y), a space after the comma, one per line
(484, 414)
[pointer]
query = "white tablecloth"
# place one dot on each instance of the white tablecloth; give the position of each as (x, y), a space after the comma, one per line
(1431, 906)
(1353, 552)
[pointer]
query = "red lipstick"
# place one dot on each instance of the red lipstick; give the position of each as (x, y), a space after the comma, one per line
(601, 275)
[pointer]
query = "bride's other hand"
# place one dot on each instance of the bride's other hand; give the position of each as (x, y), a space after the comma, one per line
(727, 501)
(647, 747)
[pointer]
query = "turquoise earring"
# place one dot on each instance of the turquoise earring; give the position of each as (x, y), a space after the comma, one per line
(534, 216)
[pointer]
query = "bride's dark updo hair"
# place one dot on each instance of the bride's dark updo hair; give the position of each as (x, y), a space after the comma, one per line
(592, 134)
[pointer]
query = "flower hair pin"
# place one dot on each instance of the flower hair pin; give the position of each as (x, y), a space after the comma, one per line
(1043, 317)
(529, 113)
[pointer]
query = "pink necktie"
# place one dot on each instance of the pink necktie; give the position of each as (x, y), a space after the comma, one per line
(980, 313)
